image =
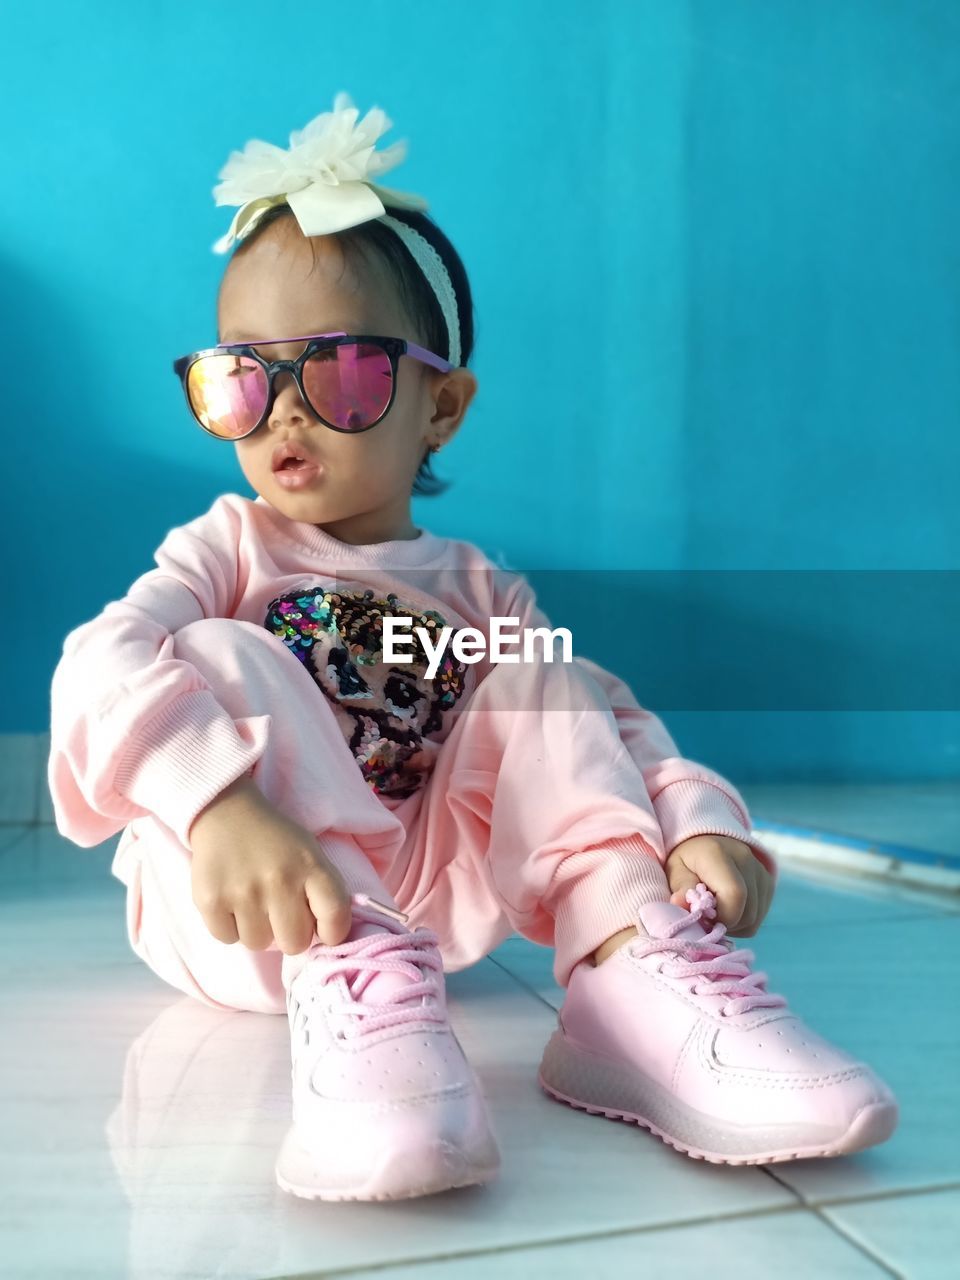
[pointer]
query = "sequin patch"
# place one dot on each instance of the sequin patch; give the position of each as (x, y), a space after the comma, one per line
(385, 710)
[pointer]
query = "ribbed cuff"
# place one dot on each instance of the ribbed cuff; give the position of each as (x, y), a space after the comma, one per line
(694, 807)
(185, 756)
(596, 893)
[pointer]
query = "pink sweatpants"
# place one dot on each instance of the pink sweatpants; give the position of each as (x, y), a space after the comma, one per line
(534, 820)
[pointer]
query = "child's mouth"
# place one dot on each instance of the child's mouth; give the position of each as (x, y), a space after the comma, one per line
(295, 473)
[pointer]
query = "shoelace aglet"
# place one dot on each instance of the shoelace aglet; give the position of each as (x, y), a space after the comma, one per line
(364, 900)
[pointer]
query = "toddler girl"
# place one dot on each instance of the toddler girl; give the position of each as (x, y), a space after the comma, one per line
(298, 765)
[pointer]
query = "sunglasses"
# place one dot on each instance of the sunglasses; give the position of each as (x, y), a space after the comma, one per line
(348, 380)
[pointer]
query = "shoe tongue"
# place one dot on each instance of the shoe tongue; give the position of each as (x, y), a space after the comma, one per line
(655, 917)
(380, 986)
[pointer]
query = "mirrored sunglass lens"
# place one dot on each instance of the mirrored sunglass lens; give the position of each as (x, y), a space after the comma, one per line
(227, 393)
(349, 385)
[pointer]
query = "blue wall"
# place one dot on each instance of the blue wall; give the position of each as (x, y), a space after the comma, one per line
(714, 255)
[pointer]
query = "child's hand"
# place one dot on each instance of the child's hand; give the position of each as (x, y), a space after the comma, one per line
(257, 876)
(741, 884)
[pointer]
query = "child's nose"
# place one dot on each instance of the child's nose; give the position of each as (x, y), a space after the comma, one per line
(287, 395)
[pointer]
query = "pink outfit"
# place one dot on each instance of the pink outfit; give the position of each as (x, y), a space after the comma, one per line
(536, 797)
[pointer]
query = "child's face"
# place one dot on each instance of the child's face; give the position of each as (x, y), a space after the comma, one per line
(361, 492)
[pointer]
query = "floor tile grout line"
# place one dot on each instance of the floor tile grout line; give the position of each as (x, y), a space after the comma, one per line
(932, 1188)
(558, 1242)
(16, 842)
(39, 774)
(801, 1205)
(838, 1230)
(817, 1209)
(524, 984)
(772, 1174)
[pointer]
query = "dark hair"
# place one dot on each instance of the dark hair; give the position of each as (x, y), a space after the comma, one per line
(416, 295)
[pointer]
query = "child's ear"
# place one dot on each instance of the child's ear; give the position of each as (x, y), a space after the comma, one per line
(452, 396)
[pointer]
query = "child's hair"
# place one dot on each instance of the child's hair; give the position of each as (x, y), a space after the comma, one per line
(418, 298)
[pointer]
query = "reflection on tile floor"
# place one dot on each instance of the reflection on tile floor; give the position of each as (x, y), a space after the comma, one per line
(138, 1128)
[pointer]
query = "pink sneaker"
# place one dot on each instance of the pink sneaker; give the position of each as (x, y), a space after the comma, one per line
(385, 1104)
(672, 1031)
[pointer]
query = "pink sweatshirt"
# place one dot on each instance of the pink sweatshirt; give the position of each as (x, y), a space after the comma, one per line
(135, 731)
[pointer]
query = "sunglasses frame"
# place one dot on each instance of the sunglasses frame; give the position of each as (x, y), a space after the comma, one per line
(393, 347)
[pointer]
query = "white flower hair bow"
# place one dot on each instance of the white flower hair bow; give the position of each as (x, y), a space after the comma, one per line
(324, 176)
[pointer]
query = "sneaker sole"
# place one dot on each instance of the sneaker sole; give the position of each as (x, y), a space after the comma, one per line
(425, 1170)
(580, 1079)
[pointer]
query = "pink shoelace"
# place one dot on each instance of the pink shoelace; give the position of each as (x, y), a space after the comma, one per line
(376, 953)
(713, 958)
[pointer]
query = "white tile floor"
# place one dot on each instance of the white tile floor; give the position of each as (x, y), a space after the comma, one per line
(138, 1128)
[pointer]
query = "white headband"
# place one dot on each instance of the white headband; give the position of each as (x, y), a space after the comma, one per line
(324, 176)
